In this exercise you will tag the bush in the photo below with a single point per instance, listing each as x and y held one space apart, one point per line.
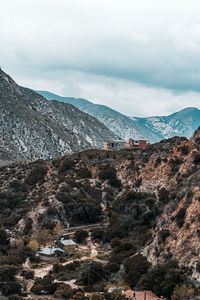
184 150
14 297
8 272
36 175
83 173
180 217
97 274
97 234
10 287
196 159
163 195
135 267
109 173
40 289
81 235
66 165
163 278
113 267
28 274
163 234
28 226
63 291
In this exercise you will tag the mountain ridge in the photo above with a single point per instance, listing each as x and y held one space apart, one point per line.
154 128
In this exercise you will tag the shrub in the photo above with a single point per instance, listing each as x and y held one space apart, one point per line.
51 211
36 175
184 292
97 234
66 164
113 267
163 234
184 150
163 195
97 274
135 267
158 162
40 289
28 274
14 297
3 237
163 278
83 173
28 226
10 287
8 272
180 217
81 235
196 159
109 173
63 291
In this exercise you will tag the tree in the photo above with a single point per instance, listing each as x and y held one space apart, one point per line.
183 292
33 244
81 235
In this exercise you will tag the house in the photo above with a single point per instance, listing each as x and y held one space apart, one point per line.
122 144
51 251
116 145
138 144
67 243
140 295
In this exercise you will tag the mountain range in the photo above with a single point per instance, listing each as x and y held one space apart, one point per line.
32 127
182 123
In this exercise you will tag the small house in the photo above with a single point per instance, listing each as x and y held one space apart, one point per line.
51 251
67 243
122 144
141 295
138 143
115 145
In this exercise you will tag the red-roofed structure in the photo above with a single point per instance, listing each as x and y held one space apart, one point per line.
141 295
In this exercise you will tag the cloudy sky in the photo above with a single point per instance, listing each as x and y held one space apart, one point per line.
140 57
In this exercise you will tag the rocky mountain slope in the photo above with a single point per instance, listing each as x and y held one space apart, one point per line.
32 127
149 199
182 123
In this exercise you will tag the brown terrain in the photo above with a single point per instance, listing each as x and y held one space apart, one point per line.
147 207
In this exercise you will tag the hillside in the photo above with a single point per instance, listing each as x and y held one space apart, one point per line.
182 123
32 127
147 200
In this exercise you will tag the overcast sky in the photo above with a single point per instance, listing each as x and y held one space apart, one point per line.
140 57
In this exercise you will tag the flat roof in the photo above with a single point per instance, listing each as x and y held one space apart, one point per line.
116 141
68 242
49 251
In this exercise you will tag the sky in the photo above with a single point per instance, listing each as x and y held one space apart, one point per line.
140 57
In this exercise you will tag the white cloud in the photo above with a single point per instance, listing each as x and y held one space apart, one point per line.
127 54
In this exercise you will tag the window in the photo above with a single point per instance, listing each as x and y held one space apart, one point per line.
136 143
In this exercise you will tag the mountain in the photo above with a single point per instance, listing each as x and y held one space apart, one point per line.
139 218
182 123
120 124
32 127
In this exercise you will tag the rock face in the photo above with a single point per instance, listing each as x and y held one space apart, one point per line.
182 123
32 127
